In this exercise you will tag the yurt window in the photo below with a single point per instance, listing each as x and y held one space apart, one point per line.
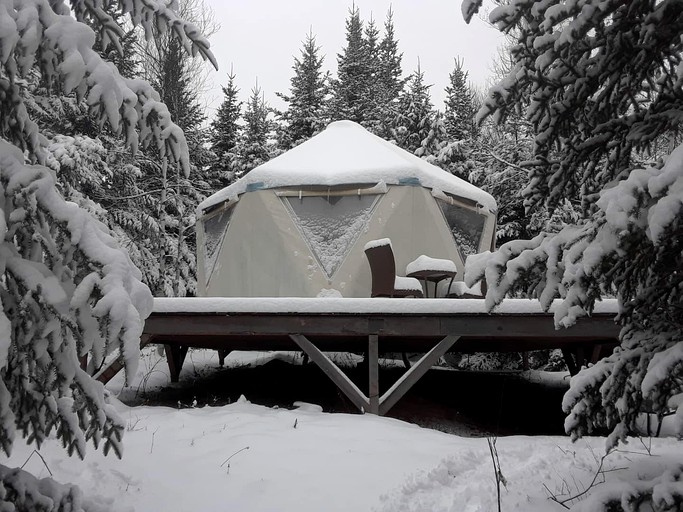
466 226
214 232
330 224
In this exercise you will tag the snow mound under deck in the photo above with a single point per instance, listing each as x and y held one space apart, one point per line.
345 153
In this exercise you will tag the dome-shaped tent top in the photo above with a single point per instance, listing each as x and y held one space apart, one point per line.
346 153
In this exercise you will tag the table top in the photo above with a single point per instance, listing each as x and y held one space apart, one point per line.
433 276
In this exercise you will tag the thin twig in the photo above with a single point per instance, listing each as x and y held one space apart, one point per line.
502 161
552 497
599 472
41 458
238 451
496 467
152 445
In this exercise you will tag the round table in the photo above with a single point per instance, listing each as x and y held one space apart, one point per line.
433 276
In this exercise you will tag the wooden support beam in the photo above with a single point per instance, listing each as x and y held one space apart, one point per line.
108 372
580 354
373 373
570 362
406 361
175 357
333 372
222 354
408 379
598 350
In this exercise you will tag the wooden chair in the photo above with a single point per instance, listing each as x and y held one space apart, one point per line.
385 282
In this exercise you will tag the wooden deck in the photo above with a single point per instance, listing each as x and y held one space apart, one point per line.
372 327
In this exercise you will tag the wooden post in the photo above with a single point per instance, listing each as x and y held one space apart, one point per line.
569 361
332 371
373 373
597 352
222 354
409 378
580 354
175 357
406 361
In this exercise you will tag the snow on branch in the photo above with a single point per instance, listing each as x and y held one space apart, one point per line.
596 78
632 248
68 292
469 8
22 491
662 493
69 63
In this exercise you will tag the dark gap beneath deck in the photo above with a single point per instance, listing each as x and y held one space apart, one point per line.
467 403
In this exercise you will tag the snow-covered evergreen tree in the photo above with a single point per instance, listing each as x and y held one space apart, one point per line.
309 88
256 146
391 73
372 97
68 291
225 134
459 115
369 76
598 80
450 140
353 73
415 115
171 78
389 78
175 195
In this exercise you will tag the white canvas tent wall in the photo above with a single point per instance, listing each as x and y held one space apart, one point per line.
296 225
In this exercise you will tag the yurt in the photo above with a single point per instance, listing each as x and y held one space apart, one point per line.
297 225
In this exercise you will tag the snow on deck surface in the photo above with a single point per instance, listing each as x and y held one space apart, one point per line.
346 153
322 305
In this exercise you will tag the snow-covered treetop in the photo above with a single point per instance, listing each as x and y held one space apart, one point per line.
346 153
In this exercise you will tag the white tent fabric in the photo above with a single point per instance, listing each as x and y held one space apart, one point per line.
296 226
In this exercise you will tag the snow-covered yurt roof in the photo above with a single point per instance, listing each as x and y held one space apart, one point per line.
346 153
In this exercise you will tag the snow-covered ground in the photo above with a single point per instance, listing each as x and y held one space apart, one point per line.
247 457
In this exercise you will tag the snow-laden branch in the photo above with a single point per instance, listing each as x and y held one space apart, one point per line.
632 248
32 28
68 291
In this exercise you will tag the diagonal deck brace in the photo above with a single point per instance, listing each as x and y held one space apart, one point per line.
408 379
333 372
374 404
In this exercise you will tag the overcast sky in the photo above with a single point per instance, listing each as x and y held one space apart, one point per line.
261 37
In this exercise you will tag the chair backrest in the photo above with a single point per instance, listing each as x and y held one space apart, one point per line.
383 270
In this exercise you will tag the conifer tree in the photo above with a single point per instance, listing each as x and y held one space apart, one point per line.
459 115
255 147
353 73
390 58
225 134
68 291
372 96
415 116
597 81
439 149
390 76
177 196
174 83
309 87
